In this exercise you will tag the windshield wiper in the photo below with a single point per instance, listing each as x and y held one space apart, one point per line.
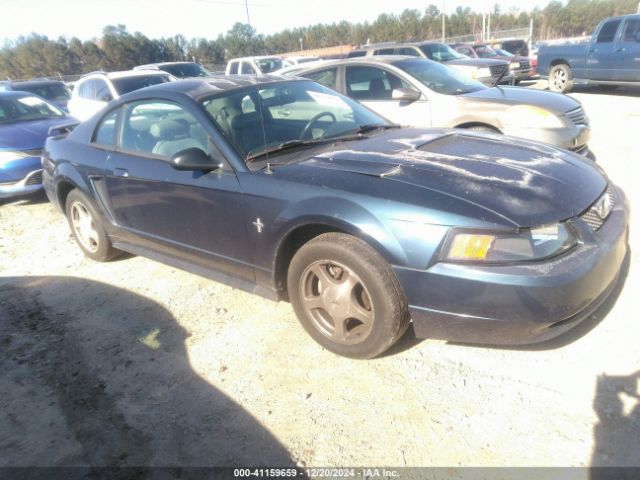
277 148
367 127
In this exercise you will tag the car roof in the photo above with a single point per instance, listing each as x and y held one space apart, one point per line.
124 74
164 64
205 86
259 57
16 93
35 83
377 59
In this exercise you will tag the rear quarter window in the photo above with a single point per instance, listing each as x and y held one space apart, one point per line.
608 31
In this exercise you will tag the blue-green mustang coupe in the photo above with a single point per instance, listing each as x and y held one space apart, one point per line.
288 189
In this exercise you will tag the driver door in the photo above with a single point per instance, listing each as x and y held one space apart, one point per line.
191 215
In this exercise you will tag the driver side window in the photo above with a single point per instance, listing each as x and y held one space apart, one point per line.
161 129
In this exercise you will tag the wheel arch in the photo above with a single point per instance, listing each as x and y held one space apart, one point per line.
472 124
303 230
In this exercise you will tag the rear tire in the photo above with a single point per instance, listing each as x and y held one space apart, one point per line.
561 78
346 296
86 228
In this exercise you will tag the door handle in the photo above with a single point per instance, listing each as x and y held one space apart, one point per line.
120 172
619 50
593 50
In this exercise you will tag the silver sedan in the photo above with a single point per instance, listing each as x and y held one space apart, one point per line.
423 93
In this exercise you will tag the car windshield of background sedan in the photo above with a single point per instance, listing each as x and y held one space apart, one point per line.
441 52
21 109
185 70
129 84
53 92
484 51
268 65
440 78
288 113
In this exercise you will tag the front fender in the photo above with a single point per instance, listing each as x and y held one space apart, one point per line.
339 214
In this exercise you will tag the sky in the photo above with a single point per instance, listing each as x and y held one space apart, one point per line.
85 19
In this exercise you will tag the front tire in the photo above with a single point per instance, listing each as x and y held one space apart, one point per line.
86 228
561 78
346 296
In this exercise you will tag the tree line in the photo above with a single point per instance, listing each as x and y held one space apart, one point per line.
117 49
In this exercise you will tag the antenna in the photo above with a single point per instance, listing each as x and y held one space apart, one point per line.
259 99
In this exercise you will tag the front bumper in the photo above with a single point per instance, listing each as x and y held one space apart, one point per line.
524 303
29 184
573 137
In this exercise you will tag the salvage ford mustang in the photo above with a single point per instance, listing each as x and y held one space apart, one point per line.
290 190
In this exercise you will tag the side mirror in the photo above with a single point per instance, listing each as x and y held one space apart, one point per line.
405 94
105 97
194 159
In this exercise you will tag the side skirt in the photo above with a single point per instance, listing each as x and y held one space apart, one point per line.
199 270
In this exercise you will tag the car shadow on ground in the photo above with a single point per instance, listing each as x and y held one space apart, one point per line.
617 433
620 91
93 375
31 199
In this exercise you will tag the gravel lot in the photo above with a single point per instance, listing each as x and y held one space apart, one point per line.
136 363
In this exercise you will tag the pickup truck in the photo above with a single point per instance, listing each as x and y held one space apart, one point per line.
611 57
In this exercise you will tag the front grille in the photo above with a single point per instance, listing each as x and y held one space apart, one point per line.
578 116
497 70
594 218
34 178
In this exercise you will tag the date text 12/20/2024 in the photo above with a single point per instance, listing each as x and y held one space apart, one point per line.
316 472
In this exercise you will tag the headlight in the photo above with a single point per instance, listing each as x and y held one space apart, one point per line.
481 73
514 66
527 244
531 117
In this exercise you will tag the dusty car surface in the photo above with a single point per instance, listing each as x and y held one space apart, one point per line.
422 93
288 189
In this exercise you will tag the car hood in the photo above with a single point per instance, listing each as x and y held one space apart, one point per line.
554 102
28 135
524 183
475 62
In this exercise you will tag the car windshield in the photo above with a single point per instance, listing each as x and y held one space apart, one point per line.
269 64
485 51
267 117
440 52
55 92
185 70
504 53
24 108
439 78
129 84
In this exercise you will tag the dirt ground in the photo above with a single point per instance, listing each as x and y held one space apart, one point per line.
136 363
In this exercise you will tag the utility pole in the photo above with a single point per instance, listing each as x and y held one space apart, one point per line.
443 20
489 26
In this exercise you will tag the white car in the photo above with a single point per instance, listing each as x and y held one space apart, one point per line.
254 65
93 91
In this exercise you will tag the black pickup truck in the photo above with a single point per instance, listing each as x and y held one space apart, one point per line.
610 57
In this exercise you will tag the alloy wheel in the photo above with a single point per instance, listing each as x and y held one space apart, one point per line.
83 227
337 302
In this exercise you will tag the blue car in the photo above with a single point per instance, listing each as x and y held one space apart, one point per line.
288 189
25 120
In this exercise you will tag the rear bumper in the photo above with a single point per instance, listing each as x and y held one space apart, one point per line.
31 183
519 304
